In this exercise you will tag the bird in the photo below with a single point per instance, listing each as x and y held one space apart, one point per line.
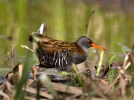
59 54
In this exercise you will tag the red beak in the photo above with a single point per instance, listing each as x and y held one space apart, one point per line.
97 46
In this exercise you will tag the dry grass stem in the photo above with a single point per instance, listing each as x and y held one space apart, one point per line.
125 66
89 22
66 89
4 95
34 91
26 47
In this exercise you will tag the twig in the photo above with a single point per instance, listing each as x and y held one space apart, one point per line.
12 55
4 95
124 75
128 64
112 84
44 94
26 47
7 64
125 66
67 89
89 22
125 60
131 57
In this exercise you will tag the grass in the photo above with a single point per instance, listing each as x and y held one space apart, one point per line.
77 78
83 85
100 64
44 78
23 79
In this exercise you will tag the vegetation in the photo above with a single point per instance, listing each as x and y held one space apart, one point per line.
66 20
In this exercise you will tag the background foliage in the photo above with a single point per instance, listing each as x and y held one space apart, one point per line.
67 21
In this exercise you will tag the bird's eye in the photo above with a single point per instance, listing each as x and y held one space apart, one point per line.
89 41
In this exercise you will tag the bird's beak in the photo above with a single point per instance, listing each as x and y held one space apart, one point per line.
97 46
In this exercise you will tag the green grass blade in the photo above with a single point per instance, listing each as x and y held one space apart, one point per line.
77 76
22 81
111 60
48 84
100 64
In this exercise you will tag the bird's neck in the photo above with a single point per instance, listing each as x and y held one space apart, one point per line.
85 49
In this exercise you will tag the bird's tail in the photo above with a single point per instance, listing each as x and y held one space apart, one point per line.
42 29
36 36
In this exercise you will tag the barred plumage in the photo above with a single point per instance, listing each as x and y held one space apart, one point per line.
60 60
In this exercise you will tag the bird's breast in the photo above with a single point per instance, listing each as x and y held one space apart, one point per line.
77 58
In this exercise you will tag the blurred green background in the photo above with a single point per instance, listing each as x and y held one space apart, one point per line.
66 20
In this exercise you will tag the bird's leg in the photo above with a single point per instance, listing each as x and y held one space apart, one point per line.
34 70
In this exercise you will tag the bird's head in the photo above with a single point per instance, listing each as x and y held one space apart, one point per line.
85 43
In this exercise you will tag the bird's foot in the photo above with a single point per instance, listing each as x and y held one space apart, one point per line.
34 71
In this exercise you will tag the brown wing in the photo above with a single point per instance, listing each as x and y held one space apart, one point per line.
52 46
